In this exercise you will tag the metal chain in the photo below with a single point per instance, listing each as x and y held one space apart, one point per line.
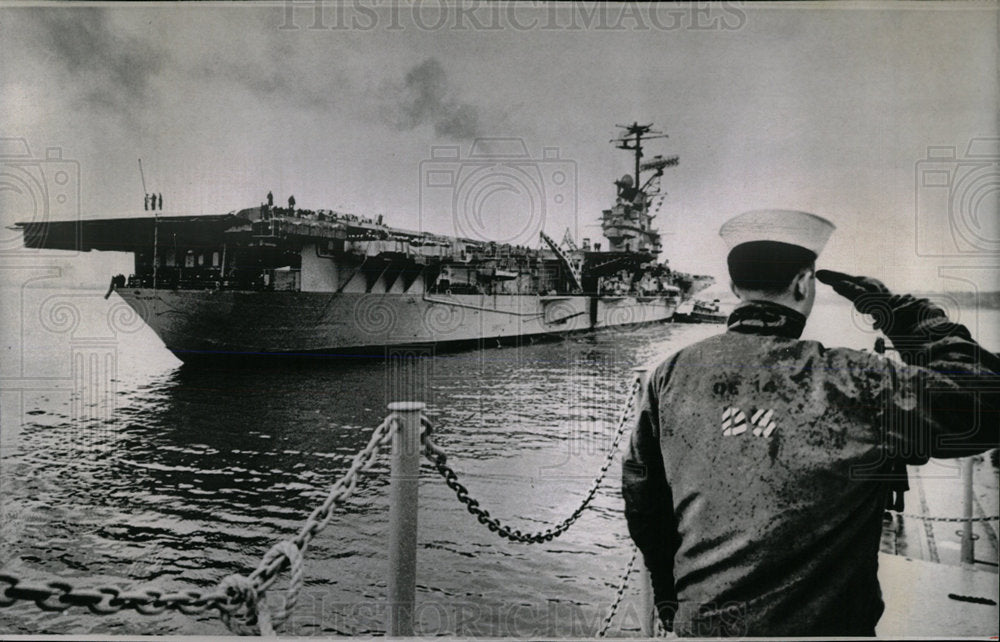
289 552
438 457
973 599
236 597
929 518
104 600
619 594
269 567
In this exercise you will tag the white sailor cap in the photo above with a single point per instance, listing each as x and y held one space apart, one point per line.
783 226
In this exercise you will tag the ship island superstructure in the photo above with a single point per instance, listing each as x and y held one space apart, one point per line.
282 280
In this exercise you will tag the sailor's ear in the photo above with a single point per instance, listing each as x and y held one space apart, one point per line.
735 291
803 283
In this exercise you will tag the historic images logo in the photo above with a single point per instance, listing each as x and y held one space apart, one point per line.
473 15
965 188
498 192
37 191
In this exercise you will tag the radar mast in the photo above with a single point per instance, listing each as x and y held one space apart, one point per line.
628 225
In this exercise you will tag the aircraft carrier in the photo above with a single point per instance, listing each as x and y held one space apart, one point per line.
270 280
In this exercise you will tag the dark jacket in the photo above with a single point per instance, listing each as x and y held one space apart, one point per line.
759 466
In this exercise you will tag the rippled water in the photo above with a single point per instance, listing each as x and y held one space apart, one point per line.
142 471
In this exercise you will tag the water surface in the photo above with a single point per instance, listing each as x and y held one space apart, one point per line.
122 466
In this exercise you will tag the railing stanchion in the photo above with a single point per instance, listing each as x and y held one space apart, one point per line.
647 604
404 481
968 543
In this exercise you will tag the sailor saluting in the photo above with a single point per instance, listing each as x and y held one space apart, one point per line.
759 466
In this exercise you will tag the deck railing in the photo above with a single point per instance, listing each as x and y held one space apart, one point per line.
239 599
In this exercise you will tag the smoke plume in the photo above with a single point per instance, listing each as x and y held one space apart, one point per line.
113 68
425 97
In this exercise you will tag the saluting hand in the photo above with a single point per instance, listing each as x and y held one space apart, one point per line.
852 288
869 296
894 314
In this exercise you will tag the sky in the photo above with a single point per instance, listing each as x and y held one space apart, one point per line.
860 112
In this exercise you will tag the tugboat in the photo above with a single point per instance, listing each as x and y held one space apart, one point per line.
271 280
707 312
700 311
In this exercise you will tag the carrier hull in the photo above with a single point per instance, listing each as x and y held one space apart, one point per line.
202 323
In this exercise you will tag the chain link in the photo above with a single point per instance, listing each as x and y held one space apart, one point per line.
236 597
438 457
619 594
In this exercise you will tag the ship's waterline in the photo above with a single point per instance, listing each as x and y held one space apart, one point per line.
199 322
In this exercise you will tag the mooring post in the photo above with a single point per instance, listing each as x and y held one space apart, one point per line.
647 603
405 476
968 540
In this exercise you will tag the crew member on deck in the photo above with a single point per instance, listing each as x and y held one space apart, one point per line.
759 465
